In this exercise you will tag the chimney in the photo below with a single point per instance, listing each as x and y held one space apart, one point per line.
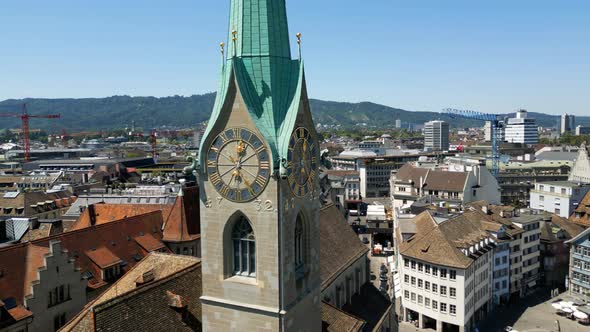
92 214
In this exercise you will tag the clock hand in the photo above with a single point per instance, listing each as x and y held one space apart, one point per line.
249 185
231 169
245 170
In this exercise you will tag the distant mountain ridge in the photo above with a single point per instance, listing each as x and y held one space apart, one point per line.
178 111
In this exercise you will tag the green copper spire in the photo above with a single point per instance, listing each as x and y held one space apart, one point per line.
259 61
260 28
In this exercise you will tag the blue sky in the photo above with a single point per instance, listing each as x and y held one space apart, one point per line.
493 56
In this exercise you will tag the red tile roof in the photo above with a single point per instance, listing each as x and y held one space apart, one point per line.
105 213
183 221
102 257
19 263
149 243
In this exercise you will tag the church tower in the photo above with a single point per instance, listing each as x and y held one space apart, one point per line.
259 183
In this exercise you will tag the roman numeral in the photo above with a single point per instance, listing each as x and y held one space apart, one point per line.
211 163
260 180
238 195
223 137
224 191
236 132
264 165
301 132
260 149
215 178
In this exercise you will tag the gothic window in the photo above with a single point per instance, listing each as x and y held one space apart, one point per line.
299 244
244 248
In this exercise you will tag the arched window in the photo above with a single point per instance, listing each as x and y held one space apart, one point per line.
244 248
299 244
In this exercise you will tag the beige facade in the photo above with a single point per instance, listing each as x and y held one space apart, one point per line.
275 298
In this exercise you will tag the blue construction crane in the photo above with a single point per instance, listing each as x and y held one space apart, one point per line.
495 127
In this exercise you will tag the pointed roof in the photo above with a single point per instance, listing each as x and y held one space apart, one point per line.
269 81
183 222
261 29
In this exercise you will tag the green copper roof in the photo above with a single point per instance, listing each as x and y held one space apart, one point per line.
259 61
261 29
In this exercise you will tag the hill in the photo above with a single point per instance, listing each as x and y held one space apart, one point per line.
177 111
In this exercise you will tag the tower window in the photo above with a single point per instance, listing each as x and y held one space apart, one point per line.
299 247
244 249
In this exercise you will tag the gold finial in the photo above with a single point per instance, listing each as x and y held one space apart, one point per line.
234 33
299 43
222 46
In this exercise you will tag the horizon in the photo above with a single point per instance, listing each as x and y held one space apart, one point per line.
493 58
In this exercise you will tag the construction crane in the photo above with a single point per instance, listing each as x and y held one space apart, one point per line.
24 116
154 141
495 128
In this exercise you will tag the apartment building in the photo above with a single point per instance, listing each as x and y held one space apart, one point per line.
579 271
445 267
521 230
559 197
458 187
436 136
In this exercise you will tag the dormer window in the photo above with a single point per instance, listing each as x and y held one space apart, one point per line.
111 273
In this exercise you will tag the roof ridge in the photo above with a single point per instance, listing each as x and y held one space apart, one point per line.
95 227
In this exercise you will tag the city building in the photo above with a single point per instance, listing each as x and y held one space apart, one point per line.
451 185
522 129
436 136
446 269
581 215
521 229
166 284
140 195
581 169
555 253
345 280
342 187
501 135
559 197
579 265
35 204
398 124
582 130
375 169
568 123
54 277
518 178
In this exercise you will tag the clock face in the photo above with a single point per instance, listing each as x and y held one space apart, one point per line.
302 162
238 165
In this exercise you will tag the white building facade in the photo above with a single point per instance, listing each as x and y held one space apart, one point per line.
522 129
560 197
436 136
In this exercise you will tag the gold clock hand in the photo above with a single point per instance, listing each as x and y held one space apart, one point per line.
249 185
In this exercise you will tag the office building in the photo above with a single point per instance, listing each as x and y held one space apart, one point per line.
522 129
582 130
579 271
398 124
436 136
568 123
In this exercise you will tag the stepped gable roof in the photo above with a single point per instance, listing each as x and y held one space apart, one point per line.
441 243
260 67
92 249
336 320
339 244
183 221
19 265
167 270
105 213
